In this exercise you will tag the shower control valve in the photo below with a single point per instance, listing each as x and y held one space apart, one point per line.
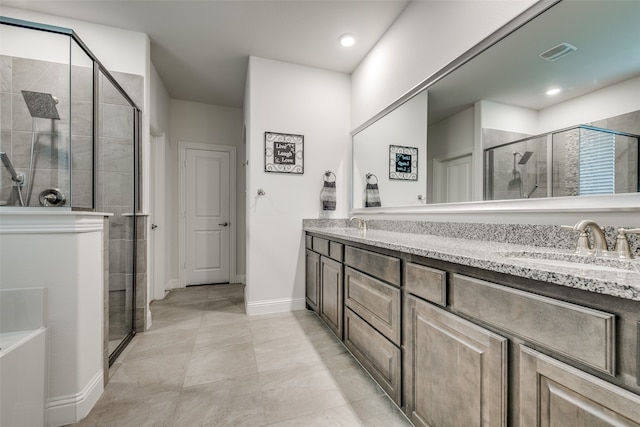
52 197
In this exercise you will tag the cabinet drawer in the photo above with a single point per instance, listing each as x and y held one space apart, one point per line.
336 251
375 301
308 242
580 333
321 245
377 354
377 265
425 282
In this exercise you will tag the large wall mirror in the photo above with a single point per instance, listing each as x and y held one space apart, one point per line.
488 130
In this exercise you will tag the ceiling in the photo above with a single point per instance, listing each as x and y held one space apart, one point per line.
511 72
201 48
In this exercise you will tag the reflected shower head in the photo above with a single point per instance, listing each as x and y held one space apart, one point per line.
41 105
9 166
525 157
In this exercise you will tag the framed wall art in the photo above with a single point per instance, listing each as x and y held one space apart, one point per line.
403 163
283 153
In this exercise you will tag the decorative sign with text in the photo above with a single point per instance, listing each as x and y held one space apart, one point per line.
403 163
283 153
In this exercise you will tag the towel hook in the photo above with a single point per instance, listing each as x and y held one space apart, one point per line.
369 176
327 176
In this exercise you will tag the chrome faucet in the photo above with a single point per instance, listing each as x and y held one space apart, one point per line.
362 223
623 248
583 245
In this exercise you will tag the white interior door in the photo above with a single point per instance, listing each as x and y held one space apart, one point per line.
452 179
207 216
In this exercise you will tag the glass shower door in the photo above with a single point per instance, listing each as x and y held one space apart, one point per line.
116 195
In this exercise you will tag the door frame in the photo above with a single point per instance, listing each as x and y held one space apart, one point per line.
157 238
183 146
438 169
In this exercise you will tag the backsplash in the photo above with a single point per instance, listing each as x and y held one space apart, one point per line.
551 236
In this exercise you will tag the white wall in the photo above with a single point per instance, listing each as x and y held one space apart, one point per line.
288 98
425 38
448 138
405 127
611 101
160 104
207 124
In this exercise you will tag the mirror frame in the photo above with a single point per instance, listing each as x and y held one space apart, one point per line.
620 203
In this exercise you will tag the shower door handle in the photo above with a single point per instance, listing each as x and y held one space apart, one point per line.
224 224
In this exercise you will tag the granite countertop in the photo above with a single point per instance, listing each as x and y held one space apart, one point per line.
613 277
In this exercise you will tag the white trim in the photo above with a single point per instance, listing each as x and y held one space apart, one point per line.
73 408
281 305
603 203
241 278
182 203
27 223
157 238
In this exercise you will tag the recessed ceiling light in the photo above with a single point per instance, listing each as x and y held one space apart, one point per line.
553 91
347 40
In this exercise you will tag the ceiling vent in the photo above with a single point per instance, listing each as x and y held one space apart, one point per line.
558 52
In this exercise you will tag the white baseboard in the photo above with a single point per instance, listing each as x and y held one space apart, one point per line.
172 284
65 410
241 278
275 306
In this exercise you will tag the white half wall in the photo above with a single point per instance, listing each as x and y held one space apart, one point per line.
206 124
288 98
425 38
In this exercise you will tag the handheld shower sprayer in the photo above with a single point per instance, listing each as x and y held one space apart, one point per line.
17 178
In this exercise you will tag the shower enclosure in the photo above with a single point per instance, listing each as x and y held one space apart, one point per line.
583 160
69 137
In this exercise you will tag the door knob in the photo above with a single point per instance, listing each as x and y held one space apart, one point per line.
224 224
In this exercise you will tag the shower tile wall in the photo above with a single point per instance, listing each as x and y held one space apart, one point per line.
566 163
52 136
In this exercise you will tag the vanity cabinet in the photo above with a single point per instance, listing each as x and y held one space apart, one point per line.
456 345
455 371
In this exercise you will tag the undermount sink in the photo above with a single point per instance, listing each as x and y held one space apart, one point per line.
583 262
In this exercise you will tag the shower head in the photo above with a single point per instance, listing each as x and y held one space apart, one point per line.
7 164
41 105
525 157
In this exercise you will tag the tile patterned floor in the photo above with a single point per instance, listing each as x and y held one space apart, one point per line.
204 362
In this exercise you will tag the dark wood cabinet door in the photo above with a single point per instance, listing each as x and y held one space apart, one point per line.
312 281
455 372
331 294
555 394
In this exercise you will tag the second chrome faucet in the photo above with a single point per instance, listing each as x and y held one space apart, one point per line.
622 248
